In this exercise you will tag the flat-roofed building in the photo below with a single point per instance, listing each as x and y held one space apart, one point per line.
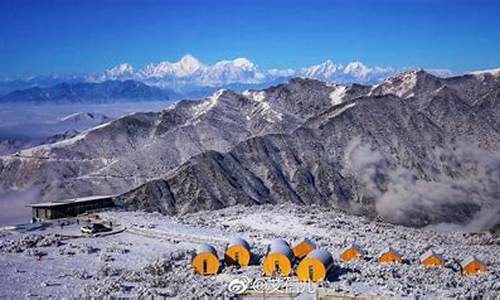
69 207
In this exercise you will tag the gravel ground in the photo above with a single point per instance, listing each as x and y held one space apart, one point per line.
152 257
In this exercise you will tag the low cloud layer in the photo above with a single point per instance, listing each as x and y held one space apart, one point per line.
13 208
469 195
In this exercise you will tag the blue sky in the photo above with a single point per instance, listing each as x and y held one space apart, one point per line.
40 37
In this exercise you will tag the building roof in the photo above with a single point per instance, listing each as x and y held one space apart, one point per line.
71 201
428 254
470 259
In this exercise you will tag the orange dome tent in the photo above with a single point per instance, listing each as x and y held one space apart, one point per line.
278 260
389 255
205 260
431 259
351 252
315 266
238 252
472 265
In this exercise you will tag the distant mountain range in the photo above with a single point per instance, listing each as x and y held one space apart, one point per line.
186 78
84 92
415 149
189 72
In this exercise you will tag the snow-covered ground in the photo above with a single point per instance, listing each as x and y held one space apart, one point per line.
152 256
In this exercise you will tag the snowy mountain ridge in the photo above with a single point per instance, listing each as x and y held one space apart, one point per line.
358 147
191 78
190 71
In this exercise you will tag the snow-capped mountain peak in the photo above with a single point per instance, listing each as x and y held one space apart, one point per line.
239 70
238 63
186 66
243 63
189 64
357 69
408 84
189 73
120 70
324 70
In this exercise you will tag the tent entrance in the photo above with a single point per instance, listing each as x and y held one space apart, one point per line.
311 272
205 266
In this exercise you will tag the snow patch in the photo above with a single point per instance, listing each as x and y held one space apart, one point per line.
491 71
263 108
83 116
269 114
207 104
338 95
254 95
343 109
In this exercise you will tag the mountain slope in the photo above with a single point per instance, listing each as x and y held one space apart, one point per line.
394 150
400 158
131 150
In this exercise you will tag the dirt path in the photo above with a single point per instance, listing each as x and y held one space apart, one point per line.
172 237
